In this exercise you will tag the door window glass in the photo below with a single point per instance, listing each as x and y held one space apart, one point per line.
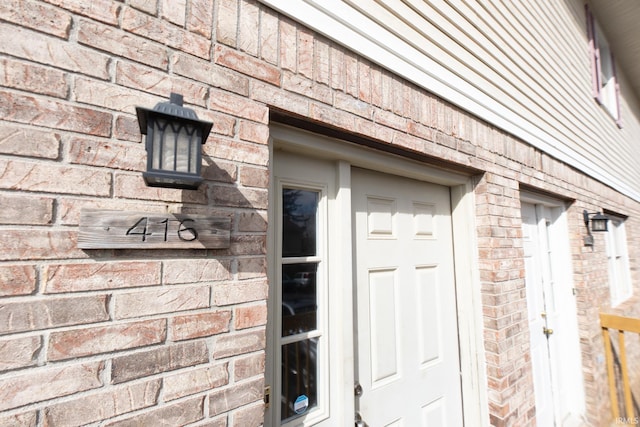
299 367
299 219
299 304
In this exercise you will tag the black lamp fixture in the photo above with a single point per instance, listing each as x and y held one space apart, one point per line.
173 143
599 222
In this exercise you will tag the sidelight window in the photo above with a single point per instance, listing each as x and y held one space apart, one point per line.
301 340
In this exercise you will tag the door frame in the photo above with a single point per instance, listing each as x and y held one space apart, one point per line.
468 297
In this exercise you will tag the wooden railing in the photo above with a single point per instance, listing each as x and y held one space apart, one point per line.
621 324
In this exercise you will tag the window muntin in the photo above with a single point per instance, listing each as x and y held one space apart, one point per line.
618 257
302 342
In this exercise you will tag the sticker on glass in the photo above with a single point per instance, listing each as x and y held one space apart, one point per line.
301 404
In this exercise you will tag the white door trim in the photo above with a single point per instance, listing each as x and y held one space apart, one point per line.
313 145
470 326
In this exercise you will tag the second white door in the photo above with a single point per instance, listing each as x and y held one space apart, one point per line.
551 308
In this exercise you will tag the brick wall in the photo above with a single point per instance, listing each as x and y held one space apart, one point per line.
167 337
131 337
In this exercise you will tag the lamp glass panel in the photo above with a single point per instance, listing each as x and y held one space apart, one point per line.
598 224
169 148
194 152
183 149
157 132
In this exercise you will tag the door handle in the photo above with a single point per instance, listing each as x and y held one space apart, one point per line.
359 421
547 331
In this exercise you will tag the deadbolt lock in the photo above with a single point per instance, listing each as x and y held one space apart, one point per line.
357 390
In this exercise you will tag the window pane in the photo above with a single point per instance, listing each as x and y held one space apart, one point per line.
299 387
299 216
608 90
298 298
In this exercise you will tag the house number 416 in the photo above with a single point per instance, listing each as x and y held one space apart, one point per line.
146 227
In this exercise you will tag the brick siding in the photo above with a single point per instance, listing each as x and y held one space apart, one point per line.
174 337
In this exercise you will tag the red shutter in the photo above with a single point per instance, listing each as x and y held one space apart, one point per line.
594 52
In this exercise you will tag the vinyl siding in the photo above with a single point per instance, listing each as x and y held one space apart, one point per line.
522 66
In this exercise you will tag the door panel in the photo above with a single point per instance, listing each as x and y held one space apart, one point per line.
406 321
384 326
429 312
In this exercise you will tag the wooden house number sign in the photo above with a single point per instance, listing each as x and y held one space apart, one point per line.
108 229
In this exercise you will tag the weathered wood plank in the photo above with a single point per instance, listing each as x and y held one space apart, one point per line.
611 321
621 324
109 229
613 395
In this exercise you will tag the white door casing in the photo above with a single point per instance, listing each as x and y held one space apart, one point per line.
305 151
407 359
556 359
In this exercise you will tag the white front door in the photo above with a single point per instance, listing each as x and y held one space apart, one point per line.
555 352
406 323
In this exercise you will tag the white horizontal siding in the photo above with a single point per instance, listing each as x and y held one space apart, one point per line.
522 66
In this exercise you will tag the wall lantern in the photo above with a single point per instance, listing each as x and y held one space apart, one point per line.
173 143
599 223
